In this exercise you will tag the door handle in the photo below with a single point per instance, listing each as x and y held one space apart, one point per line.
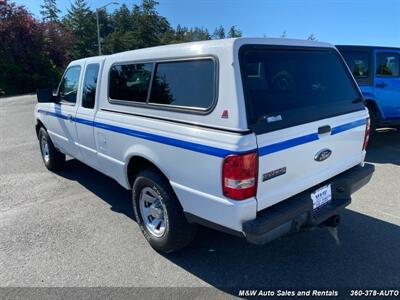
381 85
324 129
69 117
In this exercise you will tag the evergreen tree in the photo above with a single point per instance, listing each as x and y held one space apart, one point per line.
142 27
199 34
50 11
234 32
312 37
150 26
56 38
181 34
33 53
81 22
105 23
219 33
121 19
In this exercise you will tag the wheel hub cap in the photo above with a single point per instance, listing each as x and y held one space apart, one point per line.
156 212
152 211
45 149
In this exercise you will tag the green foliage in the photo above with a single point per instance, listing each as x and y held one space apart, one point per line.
140 27
234 32
219 33
81 22
104 23
122 20
25 62
34 53
184 34
50 11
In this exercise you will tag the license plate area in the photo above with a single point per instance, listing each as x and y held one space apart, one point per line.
321 196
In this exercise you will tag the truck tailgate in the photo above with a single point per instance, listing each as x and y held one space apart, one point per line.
294 159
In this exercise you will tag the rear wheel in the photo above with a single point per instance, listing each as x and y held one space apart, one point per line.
159 213
52 158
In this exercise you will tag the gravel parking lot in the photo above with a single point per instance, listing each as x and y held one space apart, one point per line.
76 228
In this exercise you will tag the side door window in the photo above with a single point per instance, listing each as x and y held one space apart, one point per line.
89 86
358 62
68 89
387 64
85 111
386 83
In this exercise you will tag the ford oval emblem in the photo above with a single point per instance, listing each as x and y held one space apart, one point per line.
322 155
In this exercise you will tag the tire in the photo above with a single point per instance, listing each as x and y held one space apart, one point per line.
159 214
52 158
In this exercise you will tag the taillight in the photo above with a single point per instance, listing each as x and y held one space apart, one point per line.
239 176
366 136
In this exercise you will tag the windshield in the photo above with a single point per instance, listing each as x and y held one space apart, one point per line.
288 87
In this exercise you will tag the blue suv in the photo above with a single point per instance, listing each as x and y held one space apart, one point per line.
377 71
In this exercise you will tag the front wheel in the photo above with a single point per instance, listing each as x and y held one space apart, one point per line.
52 158
159 213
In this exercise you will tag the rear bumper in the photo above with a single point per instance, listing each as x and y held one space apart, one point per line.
296 212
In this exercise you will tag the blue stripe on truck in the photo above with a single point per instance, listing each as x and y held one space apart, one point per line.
167 140
265 150
348 126
219 152
149 136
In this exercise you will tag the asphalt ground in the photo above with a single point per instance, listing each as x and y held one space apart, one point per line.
76 228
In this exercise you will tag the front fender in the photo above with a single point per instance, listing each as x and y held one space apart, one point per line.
40 118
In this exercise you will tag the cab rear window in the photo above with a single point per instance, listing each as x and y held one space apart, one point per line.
287 87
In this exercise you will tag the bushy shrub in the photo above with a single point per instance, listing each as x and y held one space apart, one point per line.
27 52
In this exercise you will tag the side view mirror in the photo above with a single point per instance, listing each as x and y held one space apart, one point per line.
45 96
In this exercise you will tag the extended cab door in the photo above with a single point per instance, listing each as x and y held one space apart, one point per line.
387 82
305 109
61 126
86 112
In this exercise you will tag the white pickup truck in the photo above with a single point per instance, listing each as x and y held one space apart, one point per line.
255 137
